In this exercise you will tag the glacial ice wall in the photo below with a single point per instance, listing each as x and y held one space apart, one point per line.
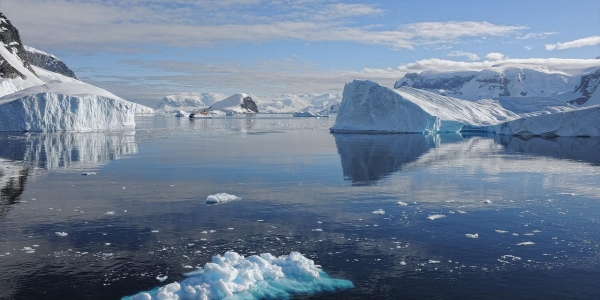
60 112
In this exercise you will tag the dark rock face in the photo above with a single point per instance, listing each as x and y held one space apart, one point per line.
249 104
451 83
9 35
589 84
49 62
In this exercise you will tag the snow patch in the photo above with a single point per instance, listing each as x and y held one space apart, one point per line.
436 216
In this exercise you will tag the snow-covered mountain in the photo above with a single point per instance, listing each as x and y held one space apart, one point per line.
370 107
285 103
35 99
499 81
188 101
586 93
239 103
48 62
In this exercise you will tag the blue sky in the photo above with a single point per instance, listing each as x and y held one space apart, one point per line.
143 50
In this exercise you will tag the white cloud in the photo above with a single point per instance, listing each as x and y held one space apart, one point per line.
495 56
588 41
528 47
469 55
131 25
536 35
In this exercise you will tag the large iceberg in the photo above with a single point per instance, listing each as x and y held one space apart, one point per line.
370 107
35 99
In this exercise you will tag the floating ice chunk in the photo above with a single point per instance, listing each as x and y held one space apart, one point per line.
431 261
88 173
161 278
318 229
110 213
512 257
235 276
515 234
221 198
461 212
379 212
402 203
501 231
61 233
403 263
436 216
487 201
472 235
525 243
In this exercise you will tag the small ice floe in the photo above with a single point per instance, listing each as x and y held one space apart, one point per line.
487 201
401 203
155 231
514 234
461 212
161 278
525 244
61 233
110 213
319 222
436 216
260 220
106 244
537 231
88 173
379 212
28 250
234 276
221 198
472 235
230 228
511 257
568 194
431 261
318 229
403 263
500 231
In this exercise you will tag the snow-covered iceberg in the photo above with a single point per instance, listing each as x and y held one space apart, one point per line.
233 276
35 99
370 107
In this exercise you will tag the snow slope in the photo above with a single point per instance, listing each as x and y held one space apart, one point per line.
370 107
235 102
188 101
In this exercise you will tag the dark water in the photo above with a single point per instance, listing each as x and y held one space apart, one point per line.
143 213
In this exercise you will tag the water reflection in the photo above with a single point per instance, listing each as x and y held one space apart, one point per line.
584 149
24 154
368 158
54 151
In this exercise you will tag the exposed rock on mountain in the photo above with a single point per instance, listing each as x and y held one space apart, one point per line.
48 62
9 36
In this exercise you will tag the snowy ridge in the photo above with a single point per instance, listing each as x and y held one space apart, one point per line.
285 103
370 107
239 103
494 82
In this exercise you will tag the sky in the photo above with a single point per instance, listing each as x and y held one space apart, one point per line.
143 50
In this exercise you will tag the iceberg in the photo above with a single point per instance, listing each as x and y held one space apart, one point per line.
255 277
369 107
36 99
221 198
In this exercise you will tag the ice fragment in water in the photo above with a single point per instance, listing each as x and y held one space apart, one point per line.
161 278
437 216
61 233
221 198
88 173
402 203
379 212
525 243
500 231
471 235
487 201
255 277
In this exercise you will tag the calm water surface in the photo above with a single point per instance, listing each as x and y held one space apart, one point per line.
143 212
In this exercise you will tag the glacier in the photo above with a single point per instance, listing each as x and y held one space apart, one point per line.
369 107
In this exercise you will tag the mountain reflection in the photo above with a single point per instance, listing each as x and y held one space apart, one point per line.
367 158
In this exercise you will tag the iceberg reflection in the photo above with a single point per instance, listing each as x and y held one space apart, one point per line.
54 151
367 158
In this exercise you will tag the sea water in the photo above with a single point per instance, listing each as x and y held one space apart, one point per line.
110 215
